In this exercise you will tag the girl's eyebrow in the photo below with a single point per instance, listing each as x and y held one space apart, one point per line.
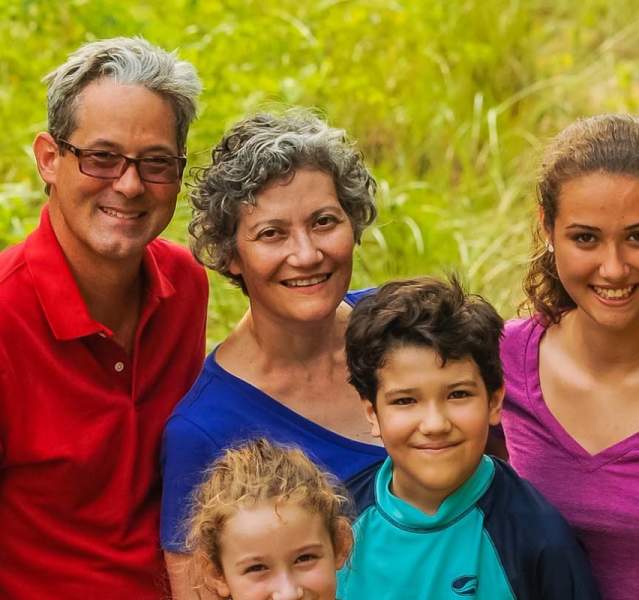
252 558
591 228
580 226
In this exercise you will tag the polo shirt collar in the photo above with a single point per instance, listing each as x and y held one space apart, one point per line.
406 516
58 292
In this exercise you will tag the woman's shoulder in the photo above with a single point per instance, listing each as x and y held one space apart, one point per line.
518 332
352 297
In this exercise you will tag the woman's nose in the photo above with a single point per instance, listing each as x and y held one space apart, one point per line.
304 251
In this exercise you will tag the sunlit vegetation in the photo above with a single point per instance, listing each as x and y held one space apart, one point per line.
450 101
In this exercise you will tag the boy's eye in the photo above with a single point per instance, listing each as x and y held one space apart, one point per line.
403 401
456 394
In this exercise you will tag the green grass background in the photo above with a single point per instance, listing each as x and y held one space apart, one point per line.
451 102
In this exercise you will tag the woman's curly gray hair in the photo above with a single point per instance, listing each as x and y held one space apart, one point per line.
261 149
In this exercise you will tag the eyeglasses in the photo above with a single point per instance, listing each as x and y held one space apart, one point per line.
103 164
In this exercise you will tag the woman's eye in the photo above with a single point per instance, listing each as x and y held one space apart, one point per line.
633 236
326 220
268 234
584 238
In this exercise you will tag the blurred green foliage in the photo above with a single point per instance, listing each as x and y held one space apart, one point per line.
450 102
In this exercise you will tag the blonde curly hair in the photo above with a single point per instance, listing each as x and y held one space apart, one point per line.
255 472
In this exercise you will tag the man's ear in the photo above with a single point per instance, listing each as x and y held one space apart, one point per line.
495 403
47 155
343 542
371 417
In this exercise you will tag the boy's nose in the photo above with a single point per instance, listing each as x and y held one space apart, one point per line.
433 421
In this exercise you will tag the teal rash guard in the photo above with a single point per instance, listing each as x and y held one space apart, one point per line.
495 538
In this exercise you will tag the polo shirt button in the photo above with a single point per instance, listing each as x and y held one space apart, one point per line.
119 366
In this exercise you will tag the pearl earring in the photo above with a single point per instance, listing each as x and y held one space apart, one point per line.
549 247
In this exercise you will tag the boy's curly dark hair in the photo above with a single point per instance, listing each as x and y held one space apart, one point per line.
422 312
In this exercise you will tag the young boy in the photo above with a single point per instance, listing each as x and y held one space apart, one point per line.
441 520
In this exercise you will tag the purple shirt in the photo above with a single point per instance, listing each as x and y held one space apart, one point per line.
598 495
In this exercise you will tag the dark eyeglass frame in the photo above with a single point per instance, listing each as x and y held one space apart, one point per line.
83 153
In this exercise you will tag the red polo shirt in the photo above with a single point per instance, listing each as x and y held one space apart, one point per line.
80 423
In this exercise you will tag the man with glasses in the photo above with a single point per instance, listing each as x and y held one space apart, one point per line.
102 329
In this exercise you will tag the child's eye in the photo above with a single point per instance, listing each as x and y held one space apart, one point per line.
403 401
456 394
302 558
256 568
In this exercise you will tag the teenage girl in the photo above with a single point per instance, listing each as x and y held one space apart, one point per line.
571 412
268 525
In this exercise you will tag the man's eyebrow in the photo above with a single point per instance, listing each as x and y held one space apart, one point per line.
115 147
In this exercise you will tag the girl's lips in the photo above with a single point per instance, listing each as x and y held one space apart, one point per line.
612 295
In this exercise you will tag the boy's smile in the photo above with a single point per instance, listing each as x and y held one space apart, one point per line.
433 420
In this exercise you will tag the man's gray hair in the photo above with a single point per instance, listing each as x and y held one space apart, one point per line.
129 61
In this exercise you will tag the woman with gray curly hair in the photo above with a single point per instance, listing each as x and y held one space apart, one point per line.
278 211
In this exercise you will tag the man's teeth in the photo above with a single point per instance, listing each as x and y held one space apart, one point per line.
306 282
614 293
114 213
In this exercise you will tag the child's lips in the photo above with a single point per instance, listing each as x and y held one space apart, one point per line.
436 446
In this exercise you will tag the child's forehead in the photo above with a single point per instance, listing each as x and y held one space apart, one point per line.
415 361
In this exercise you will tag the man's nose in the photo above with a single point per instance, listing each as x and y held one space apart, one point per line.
129 183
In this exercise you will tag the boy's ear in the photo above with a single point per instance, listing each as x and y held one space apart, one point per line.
371 417
46 154
343 542
495 403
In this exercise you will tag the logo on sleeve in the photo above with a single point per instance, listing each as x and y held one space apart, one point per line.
466 585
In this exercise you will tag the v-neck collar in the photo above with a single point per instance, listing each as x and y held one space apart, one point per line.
589 462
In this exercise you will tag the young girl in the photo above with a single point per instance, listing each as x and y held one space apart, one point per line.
571 412
268 525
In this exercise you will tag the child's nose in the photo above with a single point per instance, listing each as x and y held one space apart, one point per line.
433 421
287 589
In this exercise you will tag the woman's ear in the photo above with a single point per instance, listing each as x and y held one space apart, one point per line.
544 229
343 542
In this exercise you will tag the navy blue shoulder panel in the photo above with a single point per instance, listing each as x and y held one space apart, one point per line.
361 488
538 551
